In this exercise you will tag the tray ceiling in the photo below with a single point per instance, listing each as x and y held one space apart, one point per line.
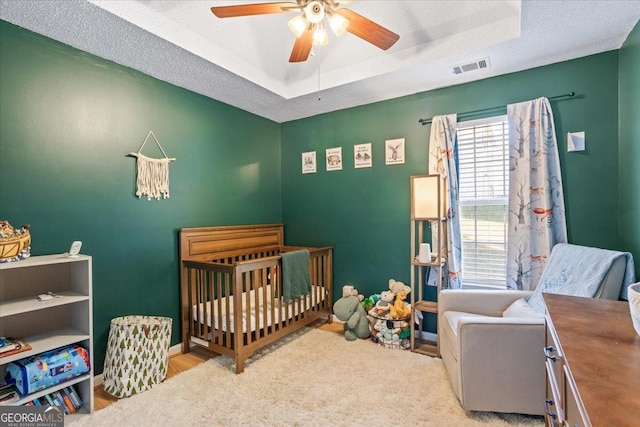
243 61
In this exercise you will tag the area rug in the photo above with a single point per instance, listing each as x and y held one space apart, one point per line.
310 378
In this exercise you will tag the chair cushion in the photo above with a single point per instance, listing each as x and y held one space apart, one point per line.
450 329
520 308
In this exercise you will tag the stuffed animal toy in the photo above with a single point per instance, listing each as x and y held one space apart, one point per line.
370 301
382 306
396 287
399 308
351 312
355 293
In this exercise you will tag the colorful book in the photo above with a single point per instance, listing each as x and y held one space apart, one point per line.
67 395
50 400
9 395
58 399
68 404
12 346
75 396
6 344
4 384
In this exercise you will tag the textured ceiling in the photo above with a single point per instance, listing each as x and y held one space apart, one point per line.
244 61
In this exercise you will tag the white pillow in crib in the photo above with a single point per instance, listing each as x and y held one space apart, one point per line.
520 308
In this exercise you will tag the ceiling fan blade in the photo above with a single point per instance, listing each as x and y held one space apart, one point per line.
252 9
368 30
302 47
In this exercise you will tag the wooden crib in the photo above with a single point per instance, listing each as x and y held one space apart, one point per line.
231 289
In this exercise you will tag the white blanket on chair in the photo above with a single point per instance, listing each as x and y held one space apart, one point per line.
578 271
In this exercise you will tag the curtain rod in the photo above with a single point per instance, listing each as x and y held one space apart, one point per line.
428 121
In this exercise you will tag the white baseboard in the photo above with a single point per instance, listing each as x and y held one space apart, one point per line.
173 350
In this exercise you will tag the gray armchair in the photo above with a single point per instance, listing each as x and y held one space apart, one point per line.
494 358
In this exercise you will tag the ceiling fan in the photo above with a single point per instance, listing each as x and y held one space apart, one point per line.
308 26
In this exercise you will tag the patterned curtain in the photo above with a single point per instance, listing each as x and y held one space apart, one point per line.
442 146
536 201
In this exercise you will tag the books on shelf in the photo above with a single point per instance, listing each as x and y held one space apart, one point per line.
67 398
8 394
9 346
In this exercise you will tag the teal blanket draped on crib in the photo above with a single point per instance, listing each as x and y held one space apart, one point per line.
295 274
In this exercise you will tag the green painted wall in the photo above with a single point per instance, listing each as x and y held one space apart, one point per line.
630 145
67 121
364 213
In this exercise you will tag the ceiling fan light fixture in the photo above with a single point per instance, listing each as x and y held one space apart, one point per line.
320 36
314 12
309 26
298 25
338 23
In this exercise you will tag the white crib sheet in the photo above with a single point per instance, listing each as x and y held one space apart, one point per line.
254 320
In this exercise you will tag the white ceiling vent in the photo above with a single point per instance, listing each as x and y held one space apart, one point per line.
470 66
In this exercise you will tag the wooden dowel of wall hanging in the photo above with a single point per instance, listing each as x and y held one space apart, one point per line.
171 159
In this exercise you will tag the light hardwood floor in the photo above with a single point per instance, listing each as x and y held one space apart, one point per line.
182 362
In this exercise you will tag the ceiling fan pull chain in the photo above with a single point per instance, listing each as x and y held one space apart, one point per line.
319 98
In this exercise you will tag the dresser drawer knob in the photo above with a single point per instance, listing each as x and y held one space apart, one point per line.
547 352
548 403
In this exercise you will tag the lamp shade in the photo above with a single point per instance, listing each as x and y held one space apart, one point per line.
427 197
320 36
338 23
298 25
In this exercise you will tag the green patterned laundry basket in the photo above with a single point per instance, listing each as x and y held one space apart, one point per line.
137 354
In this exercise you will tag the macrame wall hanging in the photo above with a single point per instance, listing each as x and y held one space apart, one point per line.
153 174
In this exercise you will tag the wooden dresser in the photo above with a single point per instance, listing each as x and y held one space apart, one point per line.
593 363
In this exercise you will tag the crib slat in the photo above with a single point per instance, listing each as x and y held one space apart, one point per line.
285 320
238 343
196 294
247 310
206 307
214 302
274 291
254 289
317 297
202 286
191 290
266 301
227 302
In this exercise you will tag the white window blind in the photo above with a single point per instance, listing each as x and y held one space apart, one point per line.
483 155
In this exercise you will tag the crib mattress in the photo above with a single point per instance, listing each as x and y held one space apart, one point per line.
278 312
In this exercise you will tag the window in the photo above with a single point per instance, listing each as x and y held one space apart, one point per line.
483 168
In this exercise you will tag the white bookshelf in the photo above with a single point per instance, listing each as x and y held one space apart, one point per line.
46 325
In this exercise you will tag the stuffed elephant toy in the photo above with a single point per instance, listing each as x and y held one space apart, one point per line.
352 313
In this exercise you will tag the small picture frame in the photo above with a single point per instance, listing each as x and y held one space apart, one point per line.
394 151
309 162
334 159
362 157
